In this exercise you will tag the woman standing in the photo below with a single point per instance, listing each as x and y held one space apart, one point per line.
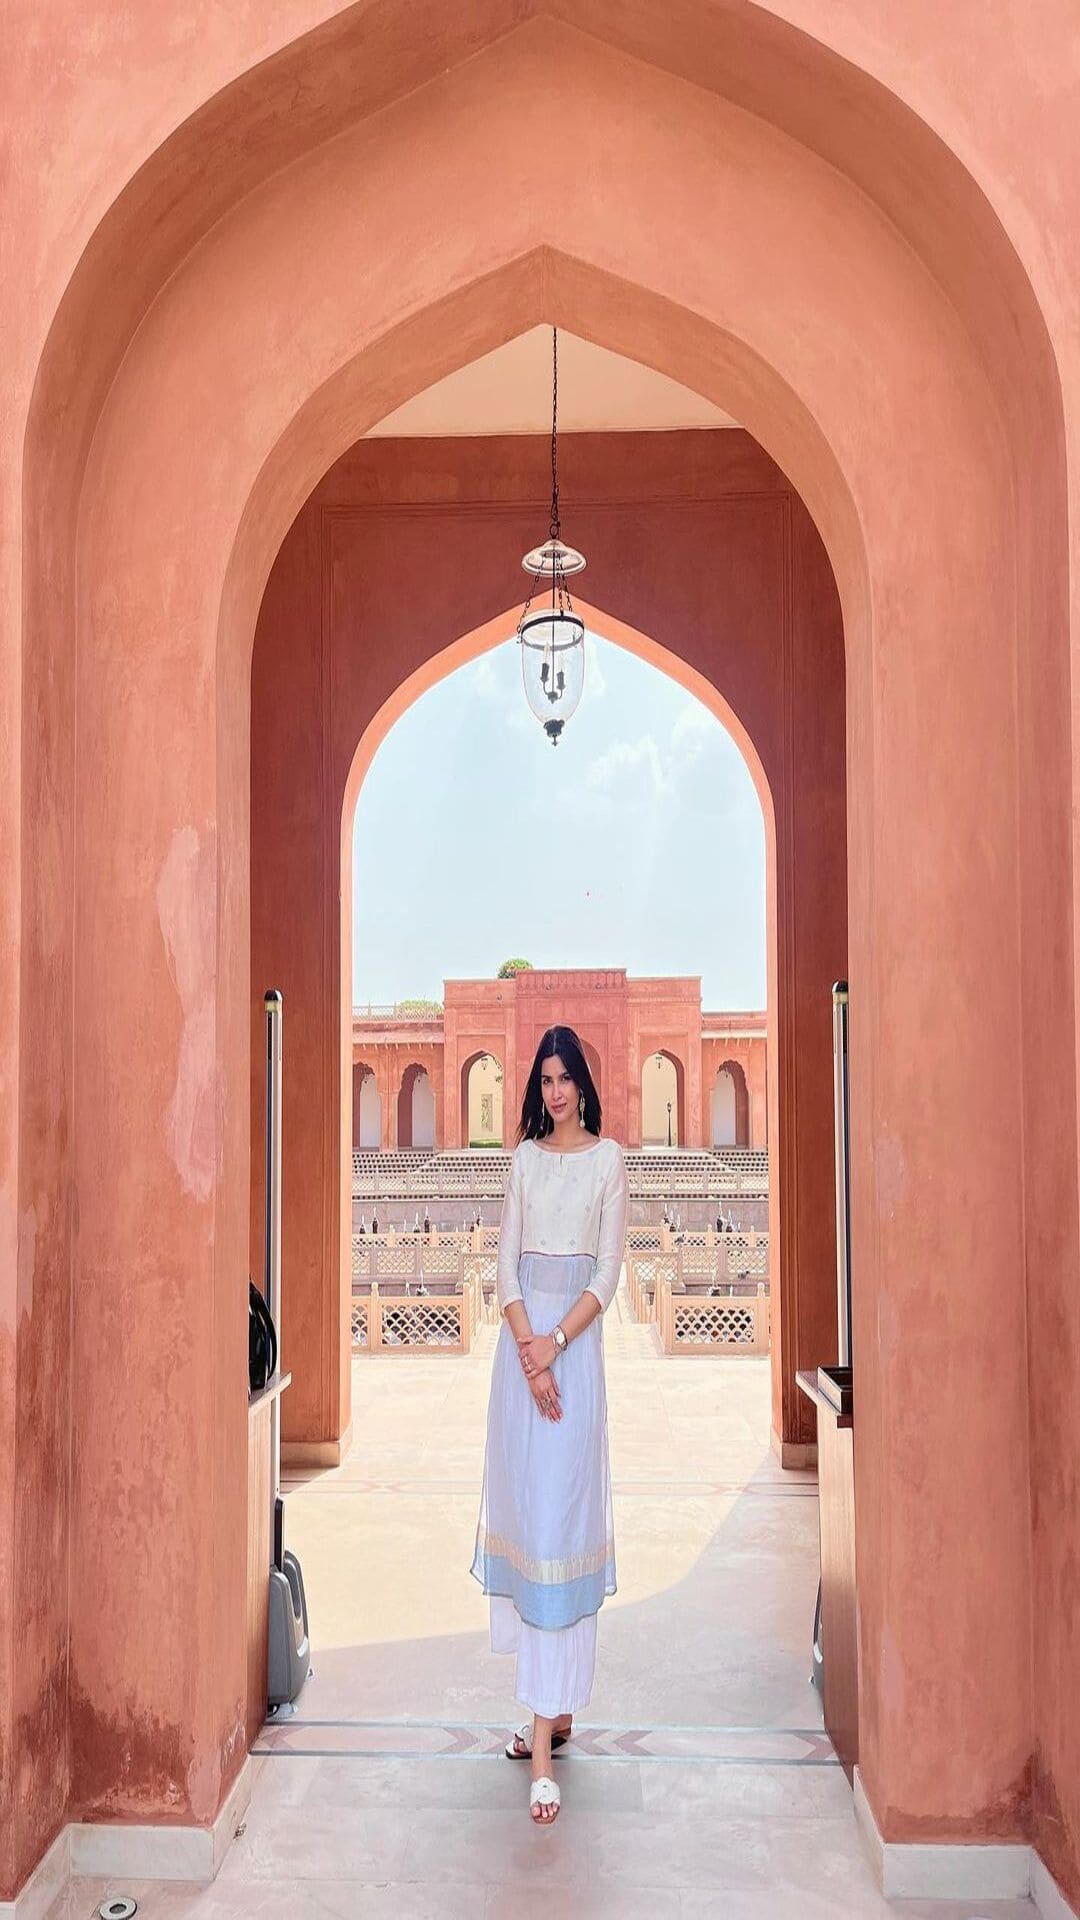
545 1545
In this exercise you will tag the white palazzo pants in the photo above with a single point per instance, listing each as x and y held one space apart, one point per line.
545 1548
555 1665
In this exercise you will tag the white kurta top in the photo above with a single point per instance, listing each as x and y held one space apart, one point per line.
564 1203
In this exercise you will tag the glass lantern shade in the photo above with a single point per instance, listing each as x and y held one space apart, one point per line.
553 665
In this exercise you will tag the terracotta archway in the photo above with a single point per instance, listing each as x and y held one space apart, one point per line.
905 283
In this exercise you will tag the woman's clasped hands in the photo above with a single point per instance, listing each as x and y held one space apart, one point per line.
536 1352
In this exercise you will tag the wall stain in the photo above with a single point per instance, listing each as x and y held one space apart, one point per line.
1006 1817
128 1765
1052 1835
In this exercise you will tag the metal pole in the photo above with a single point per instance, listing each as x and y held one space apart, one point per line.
273 1005
843 1168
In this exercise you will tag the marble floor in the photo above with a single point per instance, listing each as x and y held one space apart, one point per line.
699 1786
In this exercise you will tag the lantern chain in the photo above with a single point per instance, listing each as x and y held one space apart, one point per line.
560 592
554 527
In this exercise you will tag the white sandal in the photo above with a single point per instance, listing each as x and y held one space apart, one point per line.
545 1793
524 1734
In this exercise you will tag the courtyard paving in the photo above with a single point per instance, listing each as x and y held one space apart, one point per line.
700 1785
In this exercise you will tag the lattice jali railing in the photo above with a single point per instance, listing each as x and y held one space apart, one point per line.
747 1256
485 1266
422 1323
458 1237
716 1326
645 1268
449 1173
405 1256
442 1262
640 1299
638 1239
359 1319
698 1325
426 1323
691 1263
395 1263
697 1258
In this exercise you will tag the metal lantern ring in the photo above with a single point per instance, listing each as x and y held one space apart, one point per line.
552 635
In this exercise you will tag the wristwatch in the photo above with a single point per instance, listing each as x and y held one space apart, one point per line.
559 1338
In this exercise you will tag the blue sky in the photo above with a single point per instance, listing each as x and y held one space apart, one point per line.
637 842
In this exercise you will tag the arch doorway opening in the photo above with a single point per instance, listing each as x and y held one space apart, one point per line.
416 1108
367 1109
730 1107
663 1088
482 1101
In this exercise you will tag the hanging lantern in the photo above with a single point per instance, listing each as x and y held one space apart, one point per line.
551 635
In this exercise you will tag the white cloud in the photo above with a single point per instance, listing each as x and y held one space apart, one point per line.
634 772
596 684
697 770
693 729
486 683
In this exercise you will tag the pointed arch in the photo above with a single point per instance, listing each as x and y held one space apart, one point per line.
484 1059
366 1107
730 1106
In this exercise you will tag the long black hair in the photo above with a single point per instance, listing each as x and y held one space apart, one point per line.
536 1121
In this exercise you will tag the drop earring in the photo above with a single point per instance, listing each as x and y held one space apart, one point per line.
581 1109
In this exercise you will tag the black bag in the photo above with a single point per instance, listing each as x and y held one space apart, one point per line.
262 1340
